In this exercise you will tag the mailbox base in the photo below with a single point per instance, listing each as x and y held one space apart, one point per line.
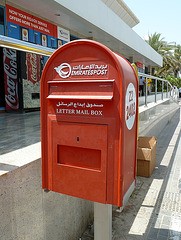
102 221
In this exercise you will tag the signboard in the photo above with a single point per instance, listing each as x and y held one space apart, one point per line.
33 67
10 79
63 34
24 26
31 85
27 20
139 65
79 108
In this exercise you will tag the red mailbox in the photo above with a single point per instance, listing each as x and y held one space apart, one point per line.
89 123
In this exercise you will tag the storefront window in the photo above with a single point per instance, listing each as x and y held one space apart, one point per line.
2 31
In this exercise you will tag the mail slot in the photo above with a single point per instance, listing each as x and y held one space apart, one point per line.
89 105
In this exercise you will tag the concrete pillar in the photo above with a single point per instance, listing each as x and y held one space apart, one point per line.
102 221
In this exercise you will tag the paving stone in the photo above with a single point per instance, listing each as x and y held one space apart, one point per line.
153 233
164 232
163 237
156 202
166 220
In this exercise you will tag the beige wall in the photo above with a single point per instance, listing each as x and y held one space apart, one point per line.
27 212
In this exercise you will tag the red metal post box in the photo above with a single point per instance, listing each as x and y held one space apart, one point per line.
89 123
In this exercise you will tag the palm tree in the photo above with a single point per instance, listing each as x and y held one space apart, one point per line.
155 42
158 43
166 50
166 70
171 63
176 61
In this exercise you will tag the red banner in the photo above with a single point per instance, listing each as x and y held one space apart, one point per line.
10 78
33 67
24 19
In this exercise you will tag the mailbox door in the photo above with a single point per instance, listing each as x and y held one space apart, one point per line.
79 157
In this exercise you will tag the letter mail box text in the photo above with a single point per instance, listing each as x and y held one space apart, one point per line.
89 102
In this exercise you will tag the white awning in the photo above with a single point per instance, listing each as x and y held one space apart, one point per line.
24 46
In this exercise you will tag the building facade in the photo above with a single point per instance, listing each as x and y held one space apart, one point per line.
31 30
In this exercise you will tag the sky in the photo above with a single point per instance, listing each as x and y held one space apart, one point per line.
161 16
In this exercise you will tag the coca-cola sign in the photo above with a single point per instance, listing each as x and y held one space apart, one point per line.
10 78
33 67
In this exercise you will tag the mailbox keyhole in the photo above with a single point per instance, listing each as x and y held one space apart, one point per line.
78 139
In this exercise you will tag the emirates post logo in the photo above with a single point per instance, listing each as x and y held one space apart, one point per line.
64 70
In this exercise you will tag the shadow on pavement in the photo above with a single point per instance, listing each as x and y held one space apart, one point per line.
154 209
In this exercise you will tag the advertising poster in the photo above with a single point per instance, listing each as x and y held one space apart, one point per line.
10 79
24 34
27 27
29 21
31 85
44 40
59 43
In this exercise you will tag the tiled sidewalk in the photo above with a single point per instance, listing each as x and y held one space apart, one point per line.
18 130
153 212
19 140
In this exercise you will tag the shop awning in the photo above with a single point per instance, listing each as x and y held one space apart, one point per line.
24 46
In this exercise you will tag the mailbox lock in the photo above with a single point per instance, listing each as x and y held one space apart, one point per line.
78 139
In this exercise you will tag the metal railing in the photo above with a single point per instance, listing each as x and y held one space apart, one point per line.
153 96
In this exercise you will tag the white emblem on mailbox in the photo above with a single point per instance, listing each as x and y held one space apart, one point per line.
130 106
64 70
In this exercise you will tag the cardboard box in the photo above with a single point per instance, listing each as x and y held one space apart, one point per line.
146 156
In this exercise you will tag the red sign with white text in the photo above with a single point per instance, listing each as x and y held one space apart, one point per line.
10 78
33 67
140 65
27 20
